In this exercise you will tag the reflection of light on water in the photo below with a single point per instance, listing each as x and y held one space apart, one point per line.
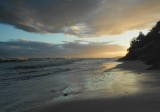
105 83
111 65
113 84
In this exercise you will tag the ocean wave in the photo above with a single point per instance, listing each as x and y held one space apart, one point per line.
49 63
30 75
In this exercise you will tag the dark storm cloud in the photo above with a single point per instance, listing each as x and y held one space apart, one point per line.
23 48
79 17
45 16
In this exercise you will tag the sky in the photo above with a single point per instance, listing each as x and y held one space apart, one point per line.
73 28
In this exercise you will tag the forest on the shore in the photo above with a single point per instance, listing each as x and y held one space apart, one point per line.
146 48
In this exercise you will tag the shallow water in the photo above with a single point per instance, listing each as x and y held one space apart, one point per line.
26 84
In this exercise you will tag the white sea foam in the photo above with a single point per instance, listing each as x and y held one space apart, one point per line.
25 84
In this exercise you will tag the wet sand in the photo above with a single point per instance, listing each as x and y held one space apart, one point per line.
140 94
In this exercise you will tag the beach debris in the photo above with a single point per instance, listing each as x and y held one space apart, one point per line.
65 94
107 70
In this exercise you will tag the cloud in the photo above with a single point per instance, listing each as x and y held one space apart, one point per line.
83 18
45 16
24 48
119 16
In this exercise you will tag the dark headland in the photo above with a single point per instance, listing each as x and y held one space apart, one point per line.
146 48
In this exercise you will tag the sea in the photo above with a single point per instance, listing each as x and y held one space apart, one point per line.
27 83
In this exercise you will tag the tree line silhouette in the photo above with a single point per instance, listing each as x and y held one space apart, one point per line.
146 48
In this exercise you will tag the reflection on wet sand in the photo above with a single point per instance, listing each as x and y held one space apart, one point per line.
114 83
121 89
109 81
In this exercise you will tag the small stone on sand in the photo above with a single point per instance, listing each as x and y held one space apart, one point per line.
65 94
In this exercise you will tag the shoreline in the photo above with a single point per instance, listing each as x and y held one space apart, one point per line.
140 94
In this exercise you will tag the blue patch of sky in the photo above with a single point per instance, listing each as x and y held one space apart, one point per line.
8 33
